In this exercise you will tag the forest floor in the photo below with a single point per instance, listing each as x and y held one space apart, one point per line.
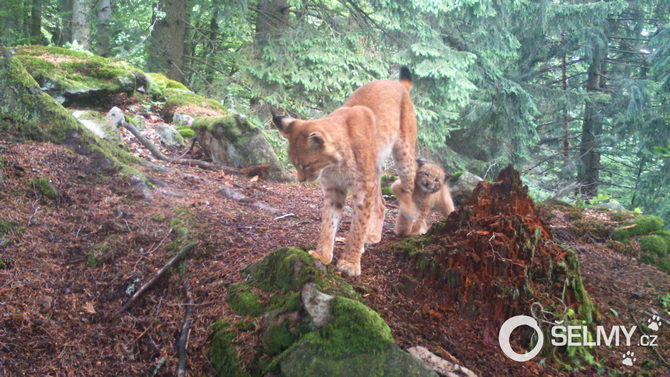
69 263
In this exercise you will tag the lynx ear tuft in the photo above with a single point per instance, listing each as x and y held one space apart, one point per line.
315 140
283 123
420 162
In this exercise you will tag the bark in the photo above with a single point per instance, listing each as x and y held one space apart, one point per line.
167 43
36 35
271 21
81 23
104 10
592 128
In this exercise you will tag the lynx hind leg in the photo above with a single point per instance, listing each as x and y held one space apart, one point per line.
406 165
331 214
376 226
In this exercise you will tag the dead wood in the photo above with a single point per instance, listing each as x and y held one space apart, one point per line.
180 255
182 161
182 345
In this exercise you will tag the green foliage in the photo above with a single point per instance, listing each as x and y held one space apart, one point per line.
643 224
45 188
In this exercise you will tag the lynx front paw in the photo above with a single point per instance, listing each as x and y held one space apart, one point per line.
349 268
323 259
373 238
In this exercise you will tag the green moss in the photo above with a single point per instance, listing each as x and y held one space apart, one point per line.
6 227
354 328
177 98
6 263
654 244
158 83
75 71
223 353
186 132
44 187
643 224
665 234
586 309
288 269
279 338
158 218
245 325
243 301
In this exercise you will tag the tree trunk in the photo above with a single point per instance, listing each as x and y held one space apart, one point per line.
271 21
36 36
166 48
81 23
104 10
592 127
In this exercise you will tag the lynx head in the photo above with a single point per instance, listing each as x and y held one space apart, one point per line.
310 149
429 177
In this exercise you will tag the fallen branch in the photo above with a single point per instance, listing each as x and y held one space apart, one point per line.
231 193
181 254
182 345
182 161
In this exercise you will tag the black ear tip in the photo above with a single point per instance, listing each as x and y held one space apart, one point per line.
277 120
420 161
405 74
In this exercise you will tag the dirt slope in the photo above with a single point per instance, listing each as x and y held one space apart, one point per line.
71 261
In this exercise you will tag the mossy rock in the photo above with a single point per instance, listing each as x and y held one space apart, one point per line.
289 269
75 75
45 188
28 113
157 83
592 227
654 244
186 132
643 224
186 102
223 353
233 141
243 301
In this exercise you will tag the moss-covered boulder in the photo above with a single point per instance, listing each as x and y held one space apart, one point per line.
461 185
233 141
70 75
290 292
26 112
183 101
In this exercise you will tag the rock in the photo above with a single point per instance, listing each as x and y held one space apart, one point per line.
77 76
317 304
461 186
97 123
231 140
169 135
115 116
139 122
182 120
438 364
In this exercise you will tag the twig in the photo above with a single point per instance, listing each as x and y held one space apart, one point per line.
189 148
285 216
182 345
182 161
181 254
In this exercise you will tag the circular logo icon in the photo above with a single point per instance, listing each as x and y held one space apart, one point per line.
506 330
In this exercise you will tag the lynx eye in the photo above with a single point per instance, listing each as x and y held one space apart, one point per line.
437 179
307 166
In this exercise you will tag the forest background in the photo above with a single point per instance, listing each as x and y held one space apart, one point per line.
576 94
